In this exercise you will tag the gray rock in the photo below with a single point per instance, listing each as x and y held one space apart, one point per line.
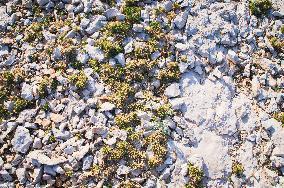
166 174
69 150
96 24
49 170
37 174
111 13
82 152
172 90
180 20
58 169
27 92
61 134
5 175
120 58
87 162
1 162
22 140
37 143
122 170
42 2
168 5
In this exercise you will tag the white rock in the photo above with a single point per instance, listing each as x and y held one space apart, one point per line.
214 151
22 140
95 52
37 143
96 24
27 92
122 170
107 106
181 46
180 20
82 152
172 90
21 175
83 58
79 107
43 159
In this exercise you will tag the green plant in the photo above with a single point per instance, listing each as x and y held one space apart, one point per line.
33 32
282 29
7 77
138 70
118 28
259 7
20 105
132 13
122 94
43 87
158 144
169 74
109 2
45 107
125 121
196 176
95 65
3 112
154 28
237 169
131 2
176 6
76 65
160 10
277 44
52 139
111 48
69 173
164 110
79 80
279 117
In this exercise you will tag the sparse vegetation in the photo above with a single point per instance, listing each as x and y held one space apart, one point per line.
237 169
111 48
196 176
169 74
259 7
132 13
79 80
20 105
279 117
277 44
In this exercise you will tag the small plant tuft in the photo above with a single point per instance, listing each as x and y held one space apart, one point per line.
196 176
237 169
259 7
79 80
132 13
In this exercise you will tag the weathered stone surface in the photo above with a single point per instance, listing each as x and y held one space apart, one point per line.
22 140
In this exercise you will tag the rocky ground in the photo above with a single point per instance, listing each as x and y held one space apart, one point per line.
141 93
